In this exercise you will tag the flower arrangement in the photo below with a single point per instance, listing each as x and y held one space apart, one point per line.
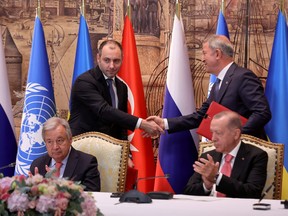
36 195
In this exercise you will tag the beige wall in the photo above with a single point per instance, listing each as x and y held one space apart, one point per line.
61 20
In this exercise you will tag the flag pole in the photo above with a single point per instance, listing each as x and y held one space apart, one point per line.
178 9
223 7
246 34
128 9
82 8
38 9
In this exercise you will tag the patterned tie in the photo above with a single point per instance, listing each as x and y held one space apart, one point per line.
226 170
58 167
112 93
217 87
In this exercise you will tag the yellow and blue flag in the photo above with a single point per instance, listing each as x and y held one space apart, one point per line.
84 56
276 92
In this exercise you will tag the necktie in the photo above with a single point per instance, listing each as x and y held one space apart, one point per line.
226 170
58 167
217 87
112 93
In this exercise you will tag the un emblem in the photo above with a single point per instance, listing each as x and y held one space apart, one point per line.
38 107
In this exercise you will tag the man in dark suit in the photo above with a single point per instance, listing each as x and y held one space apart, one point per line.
248 167
74 165
92 107
240 91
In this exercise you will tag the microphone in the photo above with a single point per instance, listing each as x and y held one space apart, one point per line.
136 196
263 206
9 165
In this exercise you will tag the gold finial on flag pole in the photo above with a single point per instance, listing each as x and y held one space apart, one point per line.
82 8
223 7
38 9
282 4
128 9
178 9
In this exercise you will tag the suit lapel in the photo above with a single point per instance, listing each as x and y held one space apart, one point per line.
46 161
216 156
239 161
71 164
98 75
226 81
120 93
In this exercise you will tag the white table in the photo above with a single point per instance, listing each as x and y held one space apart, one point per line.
188 205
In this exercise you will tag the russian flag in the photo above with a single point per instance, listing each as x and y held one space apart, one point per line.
8 144
177 151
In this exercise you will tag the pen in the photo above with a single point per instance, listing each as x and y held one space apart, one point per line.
264 194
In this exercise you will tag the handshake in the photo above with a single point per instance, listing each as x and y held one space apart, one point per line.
152 126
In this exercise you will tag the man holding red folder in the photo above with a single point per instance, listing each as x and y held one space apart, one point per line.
240 90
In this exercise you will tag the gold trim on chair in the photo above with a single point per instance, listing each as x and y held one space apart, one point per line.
112 155
275 153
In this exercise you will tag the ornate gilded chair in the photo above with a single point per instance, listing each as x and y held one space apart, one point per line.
275 153
112 155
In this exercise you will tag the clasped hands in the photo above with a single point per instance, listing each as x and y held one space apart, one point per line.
208 169
152 126
36 171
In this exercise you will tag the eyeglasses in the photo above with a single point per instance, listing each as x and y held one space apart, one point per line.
59 142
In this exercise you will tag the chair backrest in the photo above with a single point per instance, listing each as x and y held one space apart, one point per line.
112 155
275 153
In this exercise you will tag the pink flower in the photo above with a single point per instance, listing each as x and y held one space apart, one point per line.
62 203
44 195
6 182
88 206
17 202
45 203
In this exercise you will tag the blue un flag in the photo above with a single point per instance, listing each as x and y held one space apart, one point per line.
39 104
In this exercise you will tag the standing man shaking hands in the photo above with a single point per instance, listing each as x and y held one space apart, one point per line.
239 89
99 98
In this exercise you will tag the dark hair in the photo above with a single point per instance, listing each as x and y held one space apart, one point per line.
109 41
53 123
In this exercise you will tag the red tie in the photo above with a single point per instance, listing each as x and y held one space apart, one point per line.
58 166
226 170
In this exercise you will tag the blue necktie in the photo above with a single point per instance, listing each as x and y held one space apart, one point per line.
217 87
112 93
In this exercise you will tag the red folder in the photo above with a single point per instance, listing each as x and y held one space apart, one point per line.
214 108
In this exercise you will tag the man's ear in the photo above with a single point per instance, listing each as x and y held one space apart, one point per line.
218 53
237 133
98 58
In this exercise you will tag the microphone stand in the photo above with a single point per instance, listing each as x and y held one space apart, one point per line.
7 166
136 196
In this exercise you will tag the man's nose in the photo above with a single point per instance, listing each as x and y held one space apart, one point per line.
111 64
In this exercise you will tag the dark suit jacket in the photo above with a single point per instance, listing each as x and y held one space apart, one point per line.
91 106
247 178
80 167
240 91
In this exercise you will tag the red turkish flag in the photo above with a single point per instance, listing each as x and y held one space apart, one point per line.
141 147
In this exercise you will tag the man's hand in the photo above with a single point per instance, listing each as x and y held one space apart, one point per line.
36 171
150 128
158 120
208 169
